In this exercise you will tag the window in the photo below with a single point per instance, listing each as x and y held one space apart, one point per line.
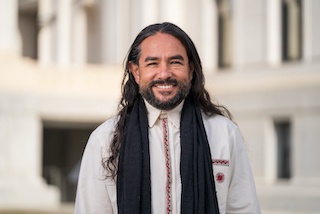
224 33
28 27
283 136
291 30
63 145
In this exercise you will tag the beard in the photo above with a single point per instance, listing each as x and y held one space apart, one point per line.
147 93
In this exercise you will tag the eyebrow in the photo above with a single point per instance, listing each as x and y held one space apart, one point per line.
153 58
178 56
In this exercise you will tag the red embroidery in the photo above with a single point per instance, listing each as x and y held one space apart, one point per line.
220 162
167 153
220 177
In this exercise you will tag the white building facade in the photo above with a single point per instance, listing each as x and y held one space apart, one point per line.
61 69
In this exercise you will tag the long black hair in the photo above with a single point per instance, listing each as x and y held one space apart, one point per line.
130 89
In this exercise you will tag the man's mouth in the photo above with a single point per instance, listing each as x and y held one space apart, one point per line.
164 86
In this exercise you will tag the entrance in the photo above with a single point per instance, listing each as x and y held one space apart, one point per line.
63 146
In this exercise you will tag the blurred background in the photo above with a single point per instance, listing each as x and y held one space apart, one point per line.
61 69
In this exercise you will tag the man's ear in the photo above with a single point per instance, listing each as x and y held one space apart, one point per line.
134 69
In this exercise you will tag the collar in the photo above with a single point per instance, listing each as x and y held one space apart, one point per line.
173 114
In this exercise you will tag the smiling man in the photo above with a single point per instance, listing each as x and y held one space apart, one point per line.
163 72
169 149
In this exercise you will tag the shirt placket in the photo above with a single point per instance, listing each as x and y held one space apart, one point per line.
165 129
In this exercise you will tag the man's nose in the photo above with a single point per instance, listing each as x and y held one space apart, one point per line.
164 72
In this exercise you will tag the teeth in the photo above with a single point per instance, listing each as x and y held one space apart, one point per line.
164 86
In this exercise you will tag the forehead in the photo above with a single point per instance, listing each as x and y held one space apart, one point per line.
162 44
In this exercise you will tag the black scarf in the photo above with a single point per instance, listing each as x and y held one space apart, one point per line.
133 182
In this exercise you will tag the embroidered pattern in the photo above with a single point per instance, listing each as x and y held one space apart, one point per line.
166 147
220 177
220 162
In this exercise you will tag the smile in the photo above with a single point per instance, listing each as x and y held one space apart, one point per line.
164 86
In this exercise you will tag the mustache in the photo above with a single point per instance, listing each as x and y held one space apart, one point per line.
167 81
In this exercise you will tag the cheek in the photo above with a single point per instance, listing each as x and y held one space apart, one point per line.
146 77
187 76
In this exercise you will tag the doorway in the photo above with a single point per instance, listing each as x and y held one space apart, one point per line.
63 146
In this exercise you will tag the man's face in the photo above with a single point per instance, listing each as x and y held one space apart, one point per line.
164 73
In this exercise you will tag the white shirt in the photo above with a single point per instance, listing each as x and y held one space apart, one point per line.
233 177
157 164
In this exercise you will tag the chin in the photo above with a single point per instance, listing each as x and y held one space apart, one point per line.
165 99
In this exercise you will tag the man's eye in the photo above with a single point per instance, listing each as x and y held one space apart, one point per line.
152 63
176 62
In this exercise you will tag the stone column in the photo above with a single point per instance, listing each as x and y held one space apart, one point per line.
173 11
46 20
79 35
115 16
306 168
311 30
10 41
150 12
21 182
274 51
249 43
64 18
209 36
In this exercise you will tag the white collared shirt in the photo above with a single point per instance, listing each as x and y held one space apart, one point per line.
233 177
157 158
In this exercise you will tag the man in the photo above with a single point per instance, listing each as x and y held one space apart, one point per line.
169 149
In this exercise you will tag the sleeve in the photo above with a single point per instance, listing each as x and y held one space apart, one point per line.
242 197
92 195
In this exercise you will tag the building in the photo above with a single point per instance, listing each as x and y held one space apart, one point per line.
61 67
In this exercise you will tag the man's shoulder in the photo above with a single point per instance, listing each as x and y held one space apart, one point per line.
218 122
107 125
105 130
216 118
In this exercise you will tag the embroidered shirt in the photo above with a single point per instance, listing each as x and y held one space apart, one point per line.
157 159
233 177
